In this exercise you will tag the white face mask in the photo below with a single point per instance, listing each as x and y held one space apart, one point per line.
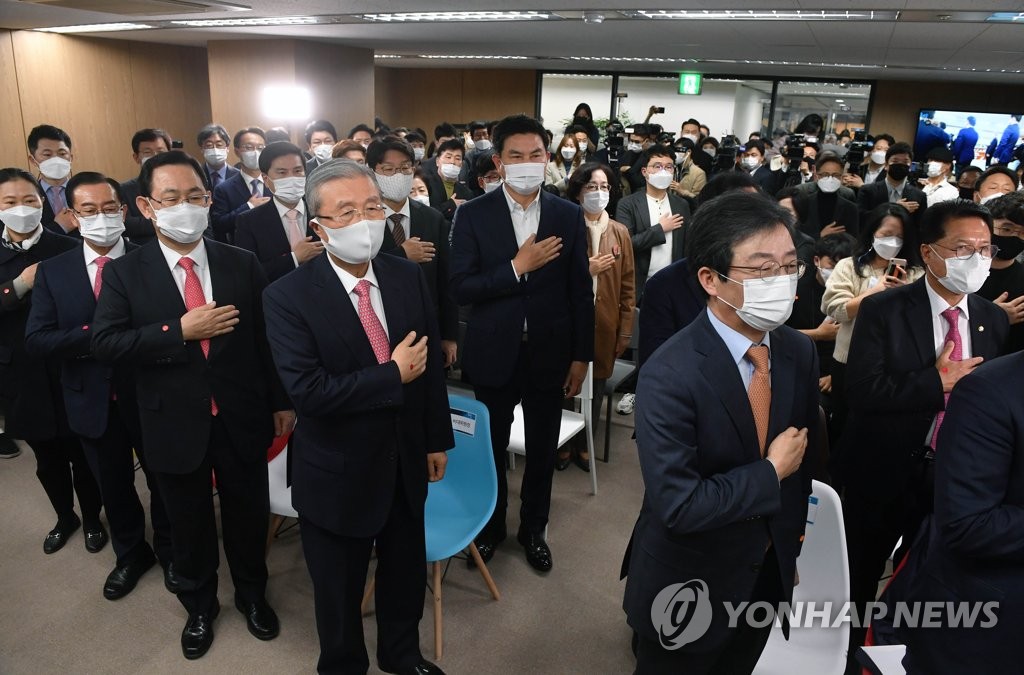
55 168
215 157
422 199
323 152
583 147
595 202
878 157
934 169
766 304
710 152
680 157
887 247
450 171
250 159
356 243
692 137
525 177
490 187
101 229
183 222
987 199
22 219
829 184
482 144
418 153
964 276
635 147
826 272
290 189
660 180
568 153
395 188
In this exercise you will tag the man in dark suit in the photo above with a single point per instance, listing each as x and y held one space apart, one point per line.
213 140
721 444
243 191
146 143
895 188
752 159
906 355
416 232
519 258
278 231
30 386
654 217
964 145
187 315
1003 153
822 206
49 151
100 401
320 138
447 190
975 545
356 345
672 300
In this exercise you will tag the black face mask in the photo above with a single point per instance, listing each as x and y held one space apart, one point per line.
898 172
967 193
1009 247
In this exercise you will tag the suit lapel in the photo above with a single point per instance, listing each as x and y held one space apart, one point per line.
503 232
783 377
224 290
392 297
982 336
164 288
277 238
679 236
643 212
85 296
919 321
344 319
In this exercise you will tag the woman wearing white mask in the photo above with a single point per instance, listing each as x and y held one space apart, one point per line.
611 267
566 160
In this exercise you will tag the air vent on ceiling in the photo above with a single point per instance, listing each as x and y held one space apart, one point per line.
143 7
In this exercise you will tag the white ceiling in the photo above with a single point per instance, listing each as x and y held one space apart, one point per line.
918 45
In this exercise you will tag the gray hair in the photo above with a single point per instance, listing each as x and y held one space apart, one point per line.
335 169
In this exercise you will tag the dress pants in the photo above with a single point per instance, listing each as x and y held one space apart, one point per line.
63 471
110 457
244 513
542 413
337 565
736 656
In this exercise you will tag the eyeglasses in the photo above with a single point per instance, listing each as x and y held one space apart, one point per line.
107 210
391 170
661 167
249 147
349 216
194 200
965 251
1008 231
773 269
594 187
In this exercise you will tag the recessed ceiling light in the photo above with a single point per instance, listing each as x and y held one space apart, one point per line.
490 57
458 16
763 14
264 21
628 59
1006 16
387 56
839 100
96 28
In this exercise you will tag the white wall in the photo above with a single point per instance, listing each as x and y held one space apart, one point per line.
561 94
748 112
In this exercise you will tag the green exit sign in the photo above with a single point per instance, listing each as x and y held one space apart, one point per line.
690 83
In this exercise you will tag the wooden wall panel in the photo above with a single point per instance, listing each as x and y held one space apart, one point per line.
172 91
342 82
12 137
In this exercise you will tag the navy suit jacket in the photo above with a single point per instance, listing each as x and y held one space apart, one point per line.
229 171
137 228
711 503
60 327
49 217
557 300
632 211
975 552
963 146
672 301
261 231
875 194
358 426
230 200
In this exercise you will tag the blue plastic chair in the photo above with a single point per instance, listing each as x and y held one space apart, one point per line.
460 505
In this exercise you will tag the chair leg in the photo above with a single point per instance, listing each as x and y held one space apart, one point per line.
275 524
364 608
438 625
484 572
607 429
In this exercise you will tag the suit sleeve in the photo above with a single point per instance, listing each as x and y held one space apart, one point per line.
470 281
275 266
656 318
316 391
43 334
642 241
116 340
438 421
581 293
666 437
977 451
279 400
877 385
448 319
222 218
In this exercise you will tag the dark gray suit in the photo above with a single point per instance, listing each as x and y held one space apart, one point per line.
636 216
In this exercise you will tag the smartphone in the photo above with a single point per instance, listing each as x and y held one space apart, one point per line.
177 145
891 271
660 110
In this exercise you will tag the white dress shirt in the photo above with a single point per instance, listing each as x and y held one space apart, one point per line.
661 255
943 191
939 329
248 186
90 258
282 209
201 267
406 218
738 344
21 289
871 176
376 302
524 221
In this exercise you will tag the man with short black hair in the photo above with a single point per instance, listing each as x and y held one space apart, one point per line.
213 140
993 183
752 160
824 206
895 189
965 144
447 190
1008 141
1005 283
243 191
320 138
874 168
481 137
146 143
49 150
361 134
938 168
966 181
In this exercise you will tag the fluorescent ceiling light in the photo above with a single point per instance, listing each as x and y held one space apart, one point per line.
387 56
481 56
818 64
96 28
458 16
629 59
265 21
1006 16
763 14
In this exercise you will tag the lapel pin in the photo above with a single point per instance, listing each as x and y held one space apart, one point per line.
981 329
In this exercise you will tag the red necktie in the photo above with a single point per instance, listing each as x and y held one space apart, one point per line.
101 262
952 316
194 297
371 324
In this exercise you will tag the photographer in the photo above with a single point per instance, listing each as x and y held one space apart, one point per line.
690 179
874 169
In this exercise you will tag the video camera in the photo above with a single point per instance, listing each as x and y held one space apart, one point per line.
860 147
666 138
725 156
794 154
614 140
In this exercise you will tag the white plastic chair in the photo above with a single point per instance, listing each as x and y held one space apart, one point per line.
824 577
883 660
280 494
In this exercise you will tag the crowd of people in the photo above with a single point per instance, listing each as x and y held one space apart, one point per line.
187 316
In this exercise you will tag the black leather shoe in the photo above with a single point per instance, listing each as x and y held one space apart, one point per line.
537 552
260 618
123 579
8 448
59 535
486 552
170 578
424 667
562 463
582 463
197 636
95 538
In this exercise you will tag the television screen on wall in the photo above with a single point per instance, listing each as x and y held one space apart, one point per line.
977 138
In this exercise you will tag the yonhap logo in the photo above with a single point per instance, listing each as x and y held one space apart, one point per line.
681 613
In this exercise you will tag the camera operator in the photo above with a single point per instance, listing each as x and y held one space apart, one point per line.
874 168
